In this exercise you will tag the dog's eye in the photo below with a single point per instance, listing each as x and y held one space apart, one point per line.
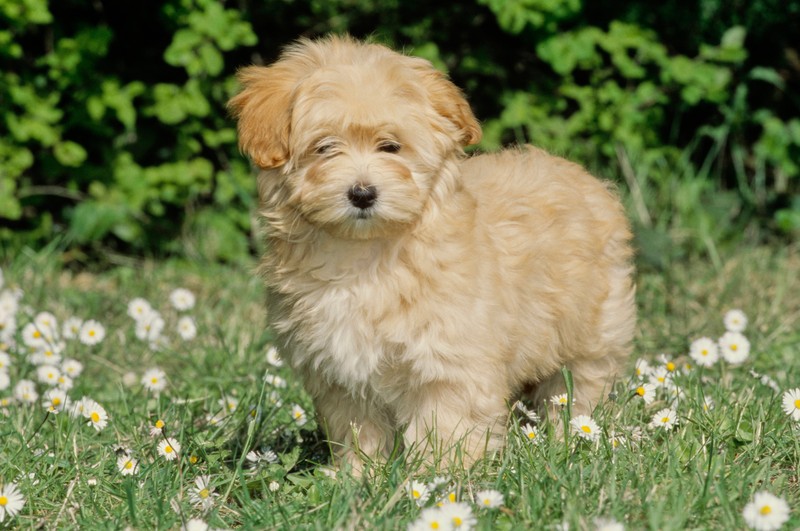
389 147
324 149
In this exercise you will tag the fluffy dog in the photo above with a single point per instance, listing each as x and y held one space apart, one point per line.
413 289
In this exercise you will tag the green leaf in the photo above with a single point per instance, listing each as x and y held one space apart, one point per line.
69 153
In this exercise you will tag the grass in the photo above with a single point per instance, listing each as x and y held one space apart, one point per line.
699 475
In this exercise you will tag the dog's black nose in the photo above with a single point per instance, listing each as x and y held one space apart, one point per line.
362 196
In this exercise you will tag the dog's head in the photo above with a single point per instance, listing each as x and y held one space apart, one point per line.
358 133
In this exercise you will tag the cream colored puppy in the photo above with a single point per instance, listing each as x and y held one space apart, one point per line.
413 289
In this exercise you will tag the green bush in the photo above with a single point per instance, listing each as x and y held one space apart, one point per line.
114 135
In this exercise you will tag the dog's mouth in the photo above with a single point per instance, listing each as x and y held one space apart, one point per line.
364 214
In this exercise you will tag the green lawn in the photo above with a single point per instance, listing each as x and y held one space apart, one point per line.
698 475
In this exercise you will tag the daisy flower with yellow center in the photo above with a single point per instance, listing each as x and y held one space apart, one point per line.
150 326
169 448
489 499
182 299
645 391
25 391
55 400
202 494
766 512
583 426
299 415
5 361
33 337
531 433
71 328
659 376
734 347
154 380
642 368
560 400
187 328
791 404
704 351
735 321
98 418
47 374
49 354
274 357
418 492
127 465
92 333
157 429
47 324
72 368
459 515
5 380
431 518
11 501
138 308
229 404
665 419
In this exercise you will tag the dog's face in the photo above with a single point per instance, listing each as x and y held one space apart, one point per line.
358 133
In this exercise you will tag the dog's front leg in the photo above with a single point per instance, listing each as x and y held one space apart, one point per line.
453 424
357 429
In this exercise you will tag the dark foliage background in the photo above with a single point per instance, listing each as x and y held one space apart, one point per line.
114 139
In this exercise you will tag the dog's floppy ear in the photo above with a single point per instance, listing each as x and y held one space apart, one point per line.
449 102
263 112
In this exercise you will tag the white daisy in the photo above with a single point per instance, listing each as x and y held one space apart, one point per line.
531 433
431 518
267 456
735 321
646 391
98 418
560 400
127 465
585 427
48 355
665 418
274 357
274 486
5 381
72 368
659 376
154 380
150 326
766 512
65 383
642 368
77 407
708 403
47 374
55 400
92 332
25 391
47 323
169 448
195 524
460 515
33 337
299 415
157 429
608 524
11 501
418 492
71 328
182 299
791 403
704 351
275 381
489 499
202 494
187 329
734 347
139 308
228 403
5 361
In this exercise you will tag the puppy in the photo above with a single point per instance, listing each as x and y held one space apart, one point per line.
413 289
